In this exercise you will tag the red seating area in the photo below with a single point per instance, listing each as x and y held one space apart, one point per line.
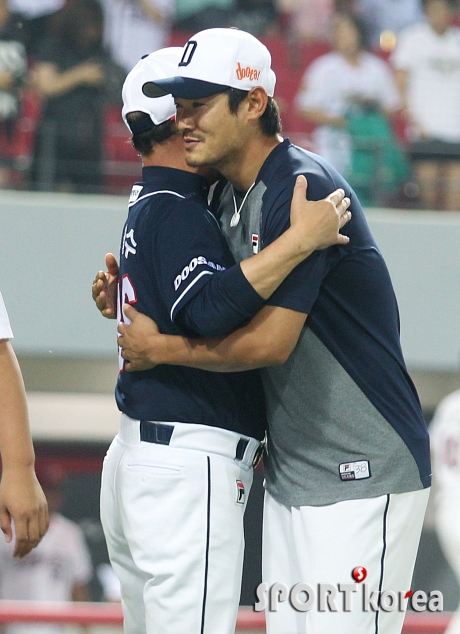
17 151
121 163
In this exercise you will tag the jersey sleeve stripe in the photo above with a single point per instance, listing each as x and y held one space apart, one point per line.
162 191
186 290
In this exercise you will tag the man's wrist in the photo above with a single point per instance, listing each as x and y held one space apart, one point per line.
18 466
173 350
298 249
158 351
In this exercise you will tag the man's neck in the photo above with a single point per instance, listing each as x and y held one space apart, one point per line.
243 172
169 153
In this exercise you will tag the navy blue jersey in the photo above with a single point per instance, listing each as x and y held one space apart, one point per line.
344 397
171 249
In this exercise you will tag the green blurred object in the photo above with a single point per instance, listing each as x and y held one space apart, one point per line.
378 164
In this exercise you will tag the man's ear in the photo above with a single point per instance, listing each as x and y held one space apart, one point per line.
257 101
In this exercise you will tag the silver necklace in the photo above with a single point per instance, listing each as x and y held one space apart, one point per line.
237 213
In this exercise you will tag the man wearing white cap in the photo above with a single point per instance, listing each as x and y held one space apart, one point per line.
176 478
348 466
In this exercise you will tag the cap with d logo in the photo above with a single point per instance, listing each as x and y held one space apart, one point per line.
215 60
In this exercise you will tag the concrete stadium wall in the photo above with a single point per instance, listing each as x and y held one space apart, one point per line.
422 251
53 244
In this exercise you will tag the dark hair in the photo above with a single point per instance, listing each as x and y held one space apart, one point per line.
270 121
144 142
452 3
71 24
360 27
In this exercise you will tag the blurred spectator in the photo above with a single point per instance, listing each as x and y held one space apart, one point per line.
445 445
258 17
427 62
196 15
384 19
349 94
307 20
110 583
13 70
133 28
34 8
76 78
38 14
345 6
58 569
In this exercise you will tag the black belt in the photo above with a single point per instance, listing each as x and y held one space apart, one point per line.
156 432
161 435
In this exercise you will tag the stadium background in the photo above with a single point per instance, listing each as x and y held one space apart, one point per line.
52 244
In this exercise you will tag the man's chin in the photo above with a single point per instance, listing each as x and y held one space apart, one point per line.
194 161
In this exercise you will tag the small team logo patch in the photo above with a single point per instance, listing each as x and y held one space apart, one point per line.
255 243
136 190
240 497
355 470
247 72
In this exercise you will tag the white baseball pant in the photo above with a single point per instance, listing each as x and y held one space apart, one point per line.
324 544
173 520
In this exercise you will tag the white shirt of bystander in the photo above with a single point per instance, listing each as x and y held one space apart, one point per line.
34 9
48 573
445 446
130 32
432 62
5 328
331 84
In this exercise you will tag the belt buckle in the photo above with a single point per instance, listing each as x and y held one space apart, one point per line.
259 454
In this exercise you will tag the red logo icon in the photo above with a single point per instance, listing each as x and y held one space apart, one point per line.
408 594
359 573
239 492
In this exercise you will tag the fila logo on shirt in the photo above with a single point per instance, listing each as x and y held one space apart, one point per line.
355 470
240 496
255 243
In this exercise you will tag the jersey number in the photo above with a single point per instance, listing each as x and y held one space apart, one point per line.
126 295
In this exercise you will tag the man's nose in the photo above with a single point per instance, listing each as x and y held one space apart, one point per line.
184 121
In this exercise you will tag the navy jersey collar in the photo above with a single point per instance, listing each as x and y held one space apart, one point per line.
280 148
179 181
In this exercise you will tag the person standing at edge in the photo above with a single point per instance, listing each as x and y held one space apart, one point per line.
22 501
176 477
348 466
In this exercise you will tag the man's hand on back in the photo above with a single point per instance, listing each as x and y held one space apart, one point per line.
139 340
317 224
104 289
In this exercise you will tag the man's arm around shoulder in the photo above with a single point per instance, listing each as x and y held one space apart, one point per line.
268 339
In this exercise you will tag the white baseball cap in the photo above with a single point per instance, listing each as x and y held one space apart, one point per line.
157 65
215 60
